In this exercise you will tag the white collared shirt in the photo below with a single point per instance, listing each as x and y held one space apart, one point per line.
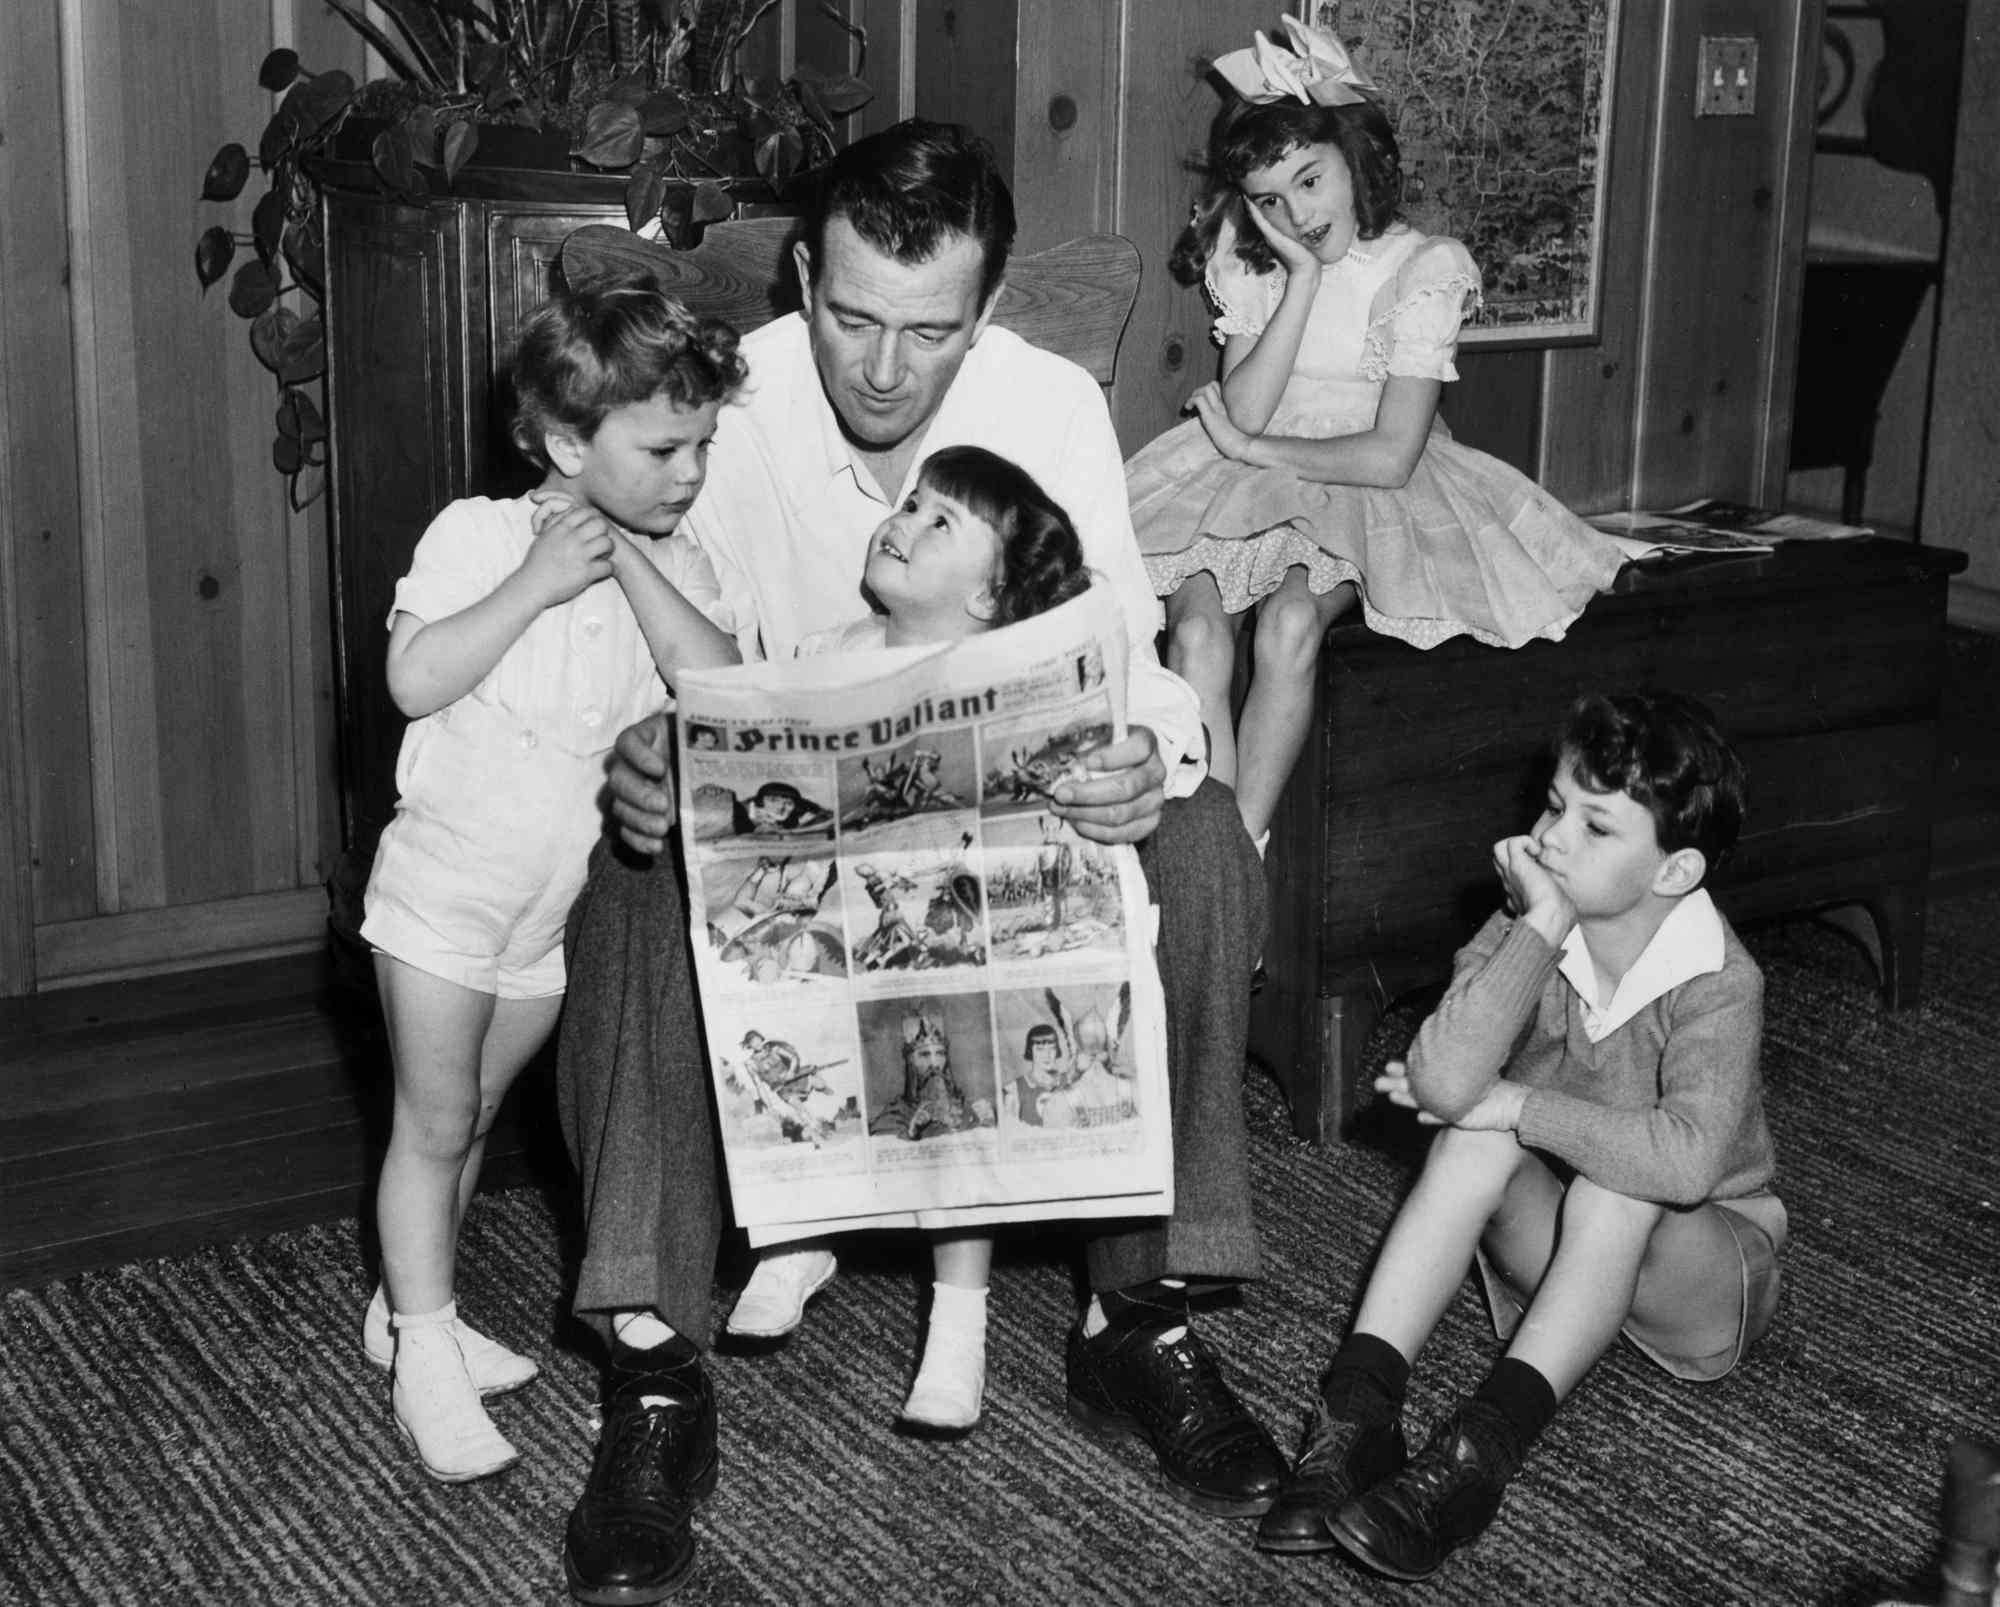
1688 944
786 513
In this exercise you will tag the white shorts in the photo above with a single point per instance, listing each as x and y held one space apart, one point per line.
477 888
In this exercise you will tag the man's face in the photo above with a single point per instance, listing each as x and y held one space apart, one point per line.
889 337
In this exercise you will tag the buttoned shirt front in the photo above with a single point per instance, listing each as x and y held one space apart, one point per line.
787 512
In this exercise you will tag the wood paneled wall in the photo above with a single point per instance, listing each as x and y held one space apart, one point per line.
172 687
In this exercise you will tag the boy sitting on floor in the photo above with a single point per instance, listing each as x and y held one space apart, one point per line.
1604 1155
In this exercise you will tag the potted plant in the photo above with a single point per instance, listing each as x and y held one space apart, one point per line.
653 90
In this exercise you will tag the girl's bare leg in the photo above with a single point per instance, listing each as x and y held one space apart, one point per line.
1201 650
1423 1260
1277 711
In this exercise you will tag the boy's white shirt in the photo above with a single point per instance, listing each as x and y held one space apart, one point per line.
1688 944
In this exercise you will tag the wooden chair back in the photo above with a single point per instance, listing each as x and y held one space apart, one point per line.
1072 299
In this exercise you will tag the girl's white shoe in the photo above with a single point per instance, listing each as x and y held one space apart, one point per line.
494 1368
436 1405
951 1384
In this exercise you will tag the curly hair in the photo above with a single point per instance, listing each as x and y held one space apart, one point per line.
909 188
1662 750
1041 557
1248 135
583 353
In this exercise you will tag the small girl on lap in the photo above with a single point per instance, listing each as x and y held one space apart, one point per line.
978 545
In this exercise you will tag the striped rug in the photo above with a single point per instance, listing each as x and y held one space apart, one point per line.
205 1430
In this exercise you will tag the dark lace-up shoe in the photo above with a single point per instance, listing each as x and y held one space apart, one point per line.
629 1539
1409 1523
1338 1460
1131 1382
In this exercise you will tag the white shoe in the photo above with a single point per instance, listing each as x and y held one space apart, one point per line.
773 1302
950 1387
494 1368
436 1406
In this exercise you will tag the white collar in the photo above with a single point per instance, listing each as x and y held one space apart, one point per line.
1688 944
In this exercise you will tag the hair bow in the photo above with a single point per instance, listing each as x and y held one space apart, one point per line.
1315 70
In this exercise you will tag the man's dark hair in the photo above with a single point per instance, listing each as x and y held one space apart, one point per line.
1662 750
909 189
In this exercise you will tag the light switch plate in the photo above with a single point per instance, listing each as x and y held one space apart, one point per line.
1728 76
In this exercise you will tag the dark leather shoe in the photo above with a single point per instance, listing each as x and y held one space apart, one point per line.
1409 1523
1338 1460
629 1539
1131 1383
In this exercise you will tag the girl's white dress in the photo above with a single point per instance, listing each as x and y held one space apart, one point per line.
1469 546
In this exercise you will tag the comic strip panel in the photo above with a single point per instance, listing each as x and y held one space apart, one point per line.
1049 891
753 803
928 1064
1064 1059
931 774
916 911
1024 759
790 1080
775 919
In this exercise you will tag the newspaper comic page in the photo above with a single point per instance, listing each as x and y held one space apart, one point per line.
927 999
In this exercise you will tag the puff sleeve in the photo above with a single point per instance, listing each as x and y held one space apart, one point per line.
1242 298
1413 327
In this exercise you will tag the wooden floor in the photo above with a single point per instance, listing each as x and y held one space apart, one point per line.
148 1118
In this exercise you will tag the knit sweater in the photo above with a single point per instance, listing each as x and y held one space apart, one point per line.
1667 1107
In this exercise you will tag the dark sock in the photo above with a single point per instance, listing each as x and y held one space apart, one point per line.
630 1367
1521 1398
1162 1303
1366 1380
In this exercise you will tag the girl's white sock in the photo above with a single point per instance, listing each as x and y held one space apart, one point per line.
950 1386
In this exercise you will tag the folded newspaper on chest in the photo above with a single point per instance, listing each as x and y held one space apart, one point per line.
927 999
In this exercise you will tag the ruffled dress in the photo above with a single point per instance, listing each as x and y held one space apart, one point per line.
1469 546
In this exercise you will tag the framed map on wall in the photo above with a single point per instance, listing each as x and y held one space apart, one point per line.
1503 113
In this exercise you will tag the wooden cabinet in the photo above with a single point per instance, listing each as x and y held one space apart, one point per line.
422 306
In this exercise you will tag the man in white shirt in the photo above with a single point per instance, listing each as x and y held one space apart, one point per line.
893 357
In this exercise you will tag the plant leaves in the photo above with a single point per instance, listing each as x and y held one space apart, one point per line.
320 98
421 124
228 172
460 141
844 94
302 357
712 203
309 485
299 418
394 159
664 113
778 154
612 135
643 193
286 455
278 71
253 289
306 256
268 332
485 65
267 225
213 253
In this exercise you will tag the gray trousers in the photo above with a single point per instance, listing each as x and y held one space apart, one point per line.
637 1112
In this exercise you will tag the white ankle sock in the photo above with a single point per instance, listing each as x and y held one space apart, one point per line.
953 1307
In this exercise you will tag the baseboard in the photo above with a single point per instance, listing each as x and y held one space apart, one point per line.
178 937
